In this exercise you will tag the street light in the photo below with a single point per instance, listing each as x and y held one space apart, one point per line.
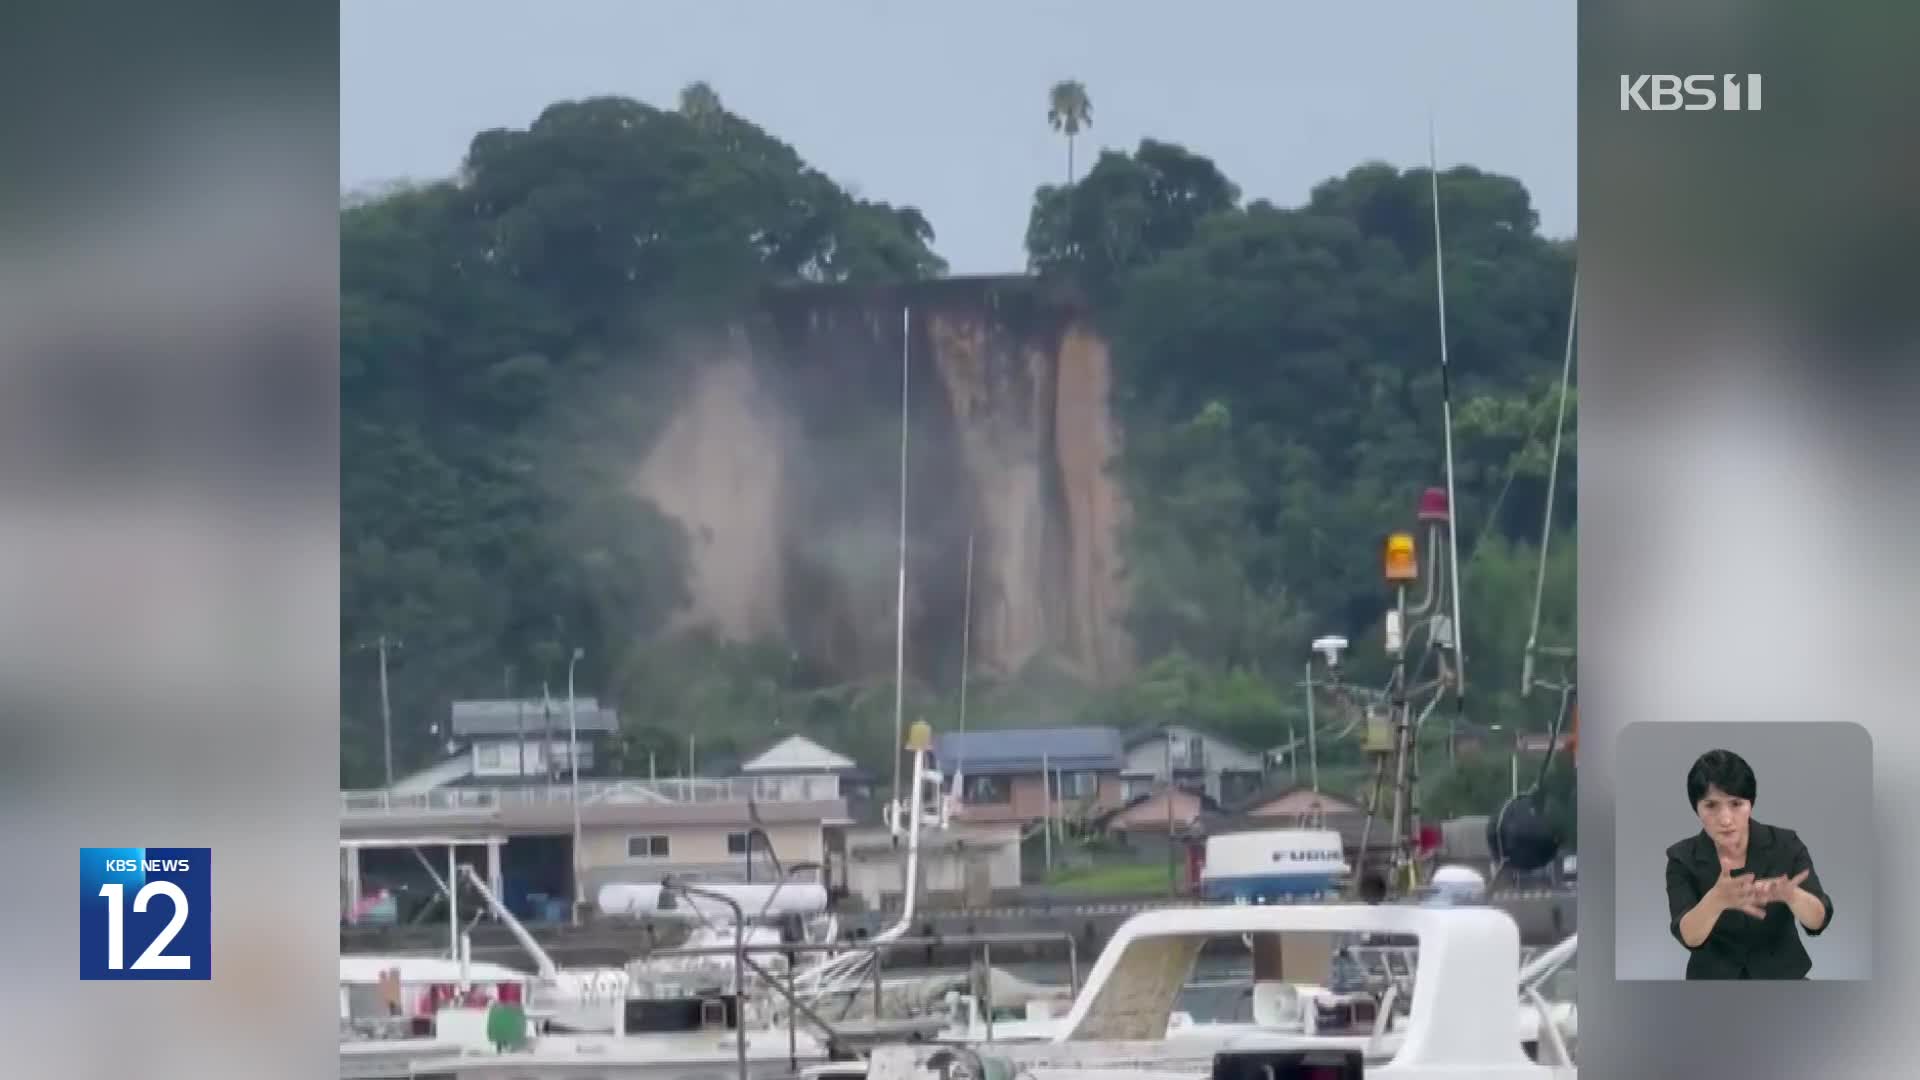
573 762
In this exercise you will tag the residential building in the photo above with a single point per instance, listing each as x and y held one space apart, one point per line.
969 862
799 757
1220 769
1149 815
510 812
1003 772
505 742
520 836
709 842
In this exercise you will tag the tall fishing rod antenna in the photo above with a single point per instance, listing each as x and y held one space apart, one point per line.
1553 477
1446 428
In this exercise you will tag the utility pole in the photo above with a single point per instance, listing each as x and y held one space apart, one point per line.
520 721
1046 821
546 750
573 763
1171 877
386 706
1313 746
382 643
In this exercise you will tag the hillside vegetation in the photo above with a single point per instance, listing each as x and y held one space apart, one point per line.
1277 382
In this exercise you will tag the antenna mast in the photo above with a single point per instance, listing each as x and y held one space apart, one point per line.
1446 420
900 594
1553 477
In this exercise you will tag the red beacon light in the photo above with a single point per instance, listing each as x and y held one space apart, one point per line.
1434 505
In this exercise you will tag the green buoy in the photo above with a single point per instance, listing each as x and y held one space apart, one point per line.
506 1026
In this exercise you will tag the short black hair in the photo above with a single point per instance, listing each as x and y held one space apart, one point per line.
1725 770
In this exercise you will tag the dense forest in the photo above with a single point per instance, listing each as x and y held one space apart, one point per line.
1276 378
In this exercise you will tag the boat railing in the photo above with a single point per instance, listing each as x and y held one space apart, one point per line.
1401 961
803 997
360 1029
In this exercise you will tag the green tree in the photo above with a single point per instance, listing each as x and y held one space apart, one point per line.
1069 110
1127 213
700 104
1483 783
503 337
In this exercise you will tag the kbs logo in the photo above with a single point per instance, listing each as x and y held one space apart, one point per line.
1693 93
144 913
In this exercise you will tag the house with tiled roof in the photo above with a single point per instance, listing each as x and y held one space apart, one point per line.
1021 774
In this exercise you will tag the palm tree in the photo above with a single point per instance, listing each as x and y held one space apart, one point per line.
1069 109
700 104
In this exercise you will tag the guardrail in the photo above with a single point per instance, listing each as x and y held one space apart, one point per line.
456 801
438 801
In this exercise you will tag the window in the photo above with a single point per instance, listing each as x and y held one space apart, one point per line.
1136 787
487 756
736 843
561 755
1239 784
647 847
1078 785
986 789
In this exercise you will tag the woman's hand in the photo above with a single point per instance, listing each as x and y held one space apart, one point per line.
1778 890
1740 893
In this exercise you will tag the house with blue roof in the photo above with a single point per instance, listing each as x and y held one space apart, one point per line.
1005 773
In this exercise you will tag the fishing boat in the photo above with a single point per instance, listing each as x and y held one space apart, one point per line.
1456 1020
667 1040
395 997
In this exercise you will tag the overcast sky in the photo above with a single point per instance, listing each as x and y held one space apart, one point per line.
943 105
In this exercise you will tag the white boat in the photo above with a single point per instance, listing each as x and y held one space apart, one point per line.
389 1006
697 1044
1458 1020
418 979
1023 1012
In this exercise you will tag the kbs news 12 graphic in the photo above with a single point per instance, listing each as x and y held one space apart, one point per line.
146 913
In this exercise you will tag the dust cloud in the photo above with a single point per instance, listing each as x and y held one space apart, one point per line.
781 463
